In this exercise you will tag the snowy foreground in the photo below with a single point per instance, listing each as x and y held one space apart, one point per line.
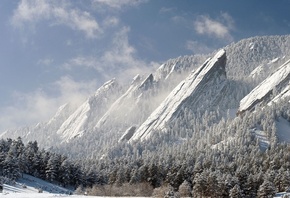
48 195
28 187
38 195
42 195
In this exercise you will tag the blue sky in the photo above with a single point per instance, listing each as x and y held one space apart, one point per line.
58 51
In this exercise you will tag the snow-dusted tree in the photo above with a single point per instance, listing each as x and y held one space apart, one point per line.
135 178
185 189
267 189
65 172
199 184
236 192
52 168
11 163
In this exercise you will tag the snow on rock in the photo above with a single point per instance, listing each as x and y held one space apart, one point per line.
257 71
121 112
201 87
128 133
274 60
283 94
85 117
262 137
252 45
179 65
60 115
276 81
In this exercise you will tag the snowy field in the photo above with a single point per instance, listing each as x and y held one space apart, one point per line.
38 195
44 195
29 186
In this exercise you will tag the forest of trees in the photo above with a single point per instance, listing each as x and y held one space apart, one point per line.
217 158
17 159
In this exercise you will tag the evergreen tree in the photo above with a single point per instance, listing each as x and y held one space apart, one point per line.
185 189
266 190
236 192
52 168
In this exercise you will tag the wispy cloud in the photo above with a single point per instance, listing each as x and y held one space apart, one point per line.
166 9
219 28
33 107
197 47
110 21
58 13
119 61
118 4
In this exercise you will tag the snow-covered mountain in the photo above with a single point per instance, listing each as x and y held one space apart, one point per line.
276 83
154 101
124 110
203 87
43 132
83 119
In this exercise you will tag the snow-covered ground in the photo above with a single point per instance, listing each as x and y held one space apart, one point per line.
28 187
262 137
43 195
281 194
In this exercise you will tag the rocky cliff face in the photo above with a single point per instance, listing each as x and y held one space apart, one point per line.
83 119
125 111
277 84
201 89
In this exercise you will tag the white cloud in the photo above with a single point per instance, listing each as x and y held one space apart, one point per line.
197 47
219 28
166 9
118 4
31 108
118 61
57 12
110 21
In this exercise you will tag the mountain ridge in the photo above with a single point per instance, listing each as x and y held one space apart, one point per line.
143 96
174 102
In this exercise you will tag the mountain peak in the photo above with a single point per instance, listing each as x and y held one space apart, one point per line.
192 92
276 81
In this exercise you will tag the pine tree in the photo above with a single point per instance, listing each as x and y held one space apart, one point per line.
236 192
185 189
199 184
52 168
266 190
65 172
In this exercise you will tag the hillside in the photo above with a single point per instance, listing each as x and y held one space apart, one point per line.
96 125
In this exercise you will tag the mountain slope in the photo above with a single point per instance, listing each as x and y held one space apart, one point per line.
206 82
122 110
276 82
43 132
83 119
